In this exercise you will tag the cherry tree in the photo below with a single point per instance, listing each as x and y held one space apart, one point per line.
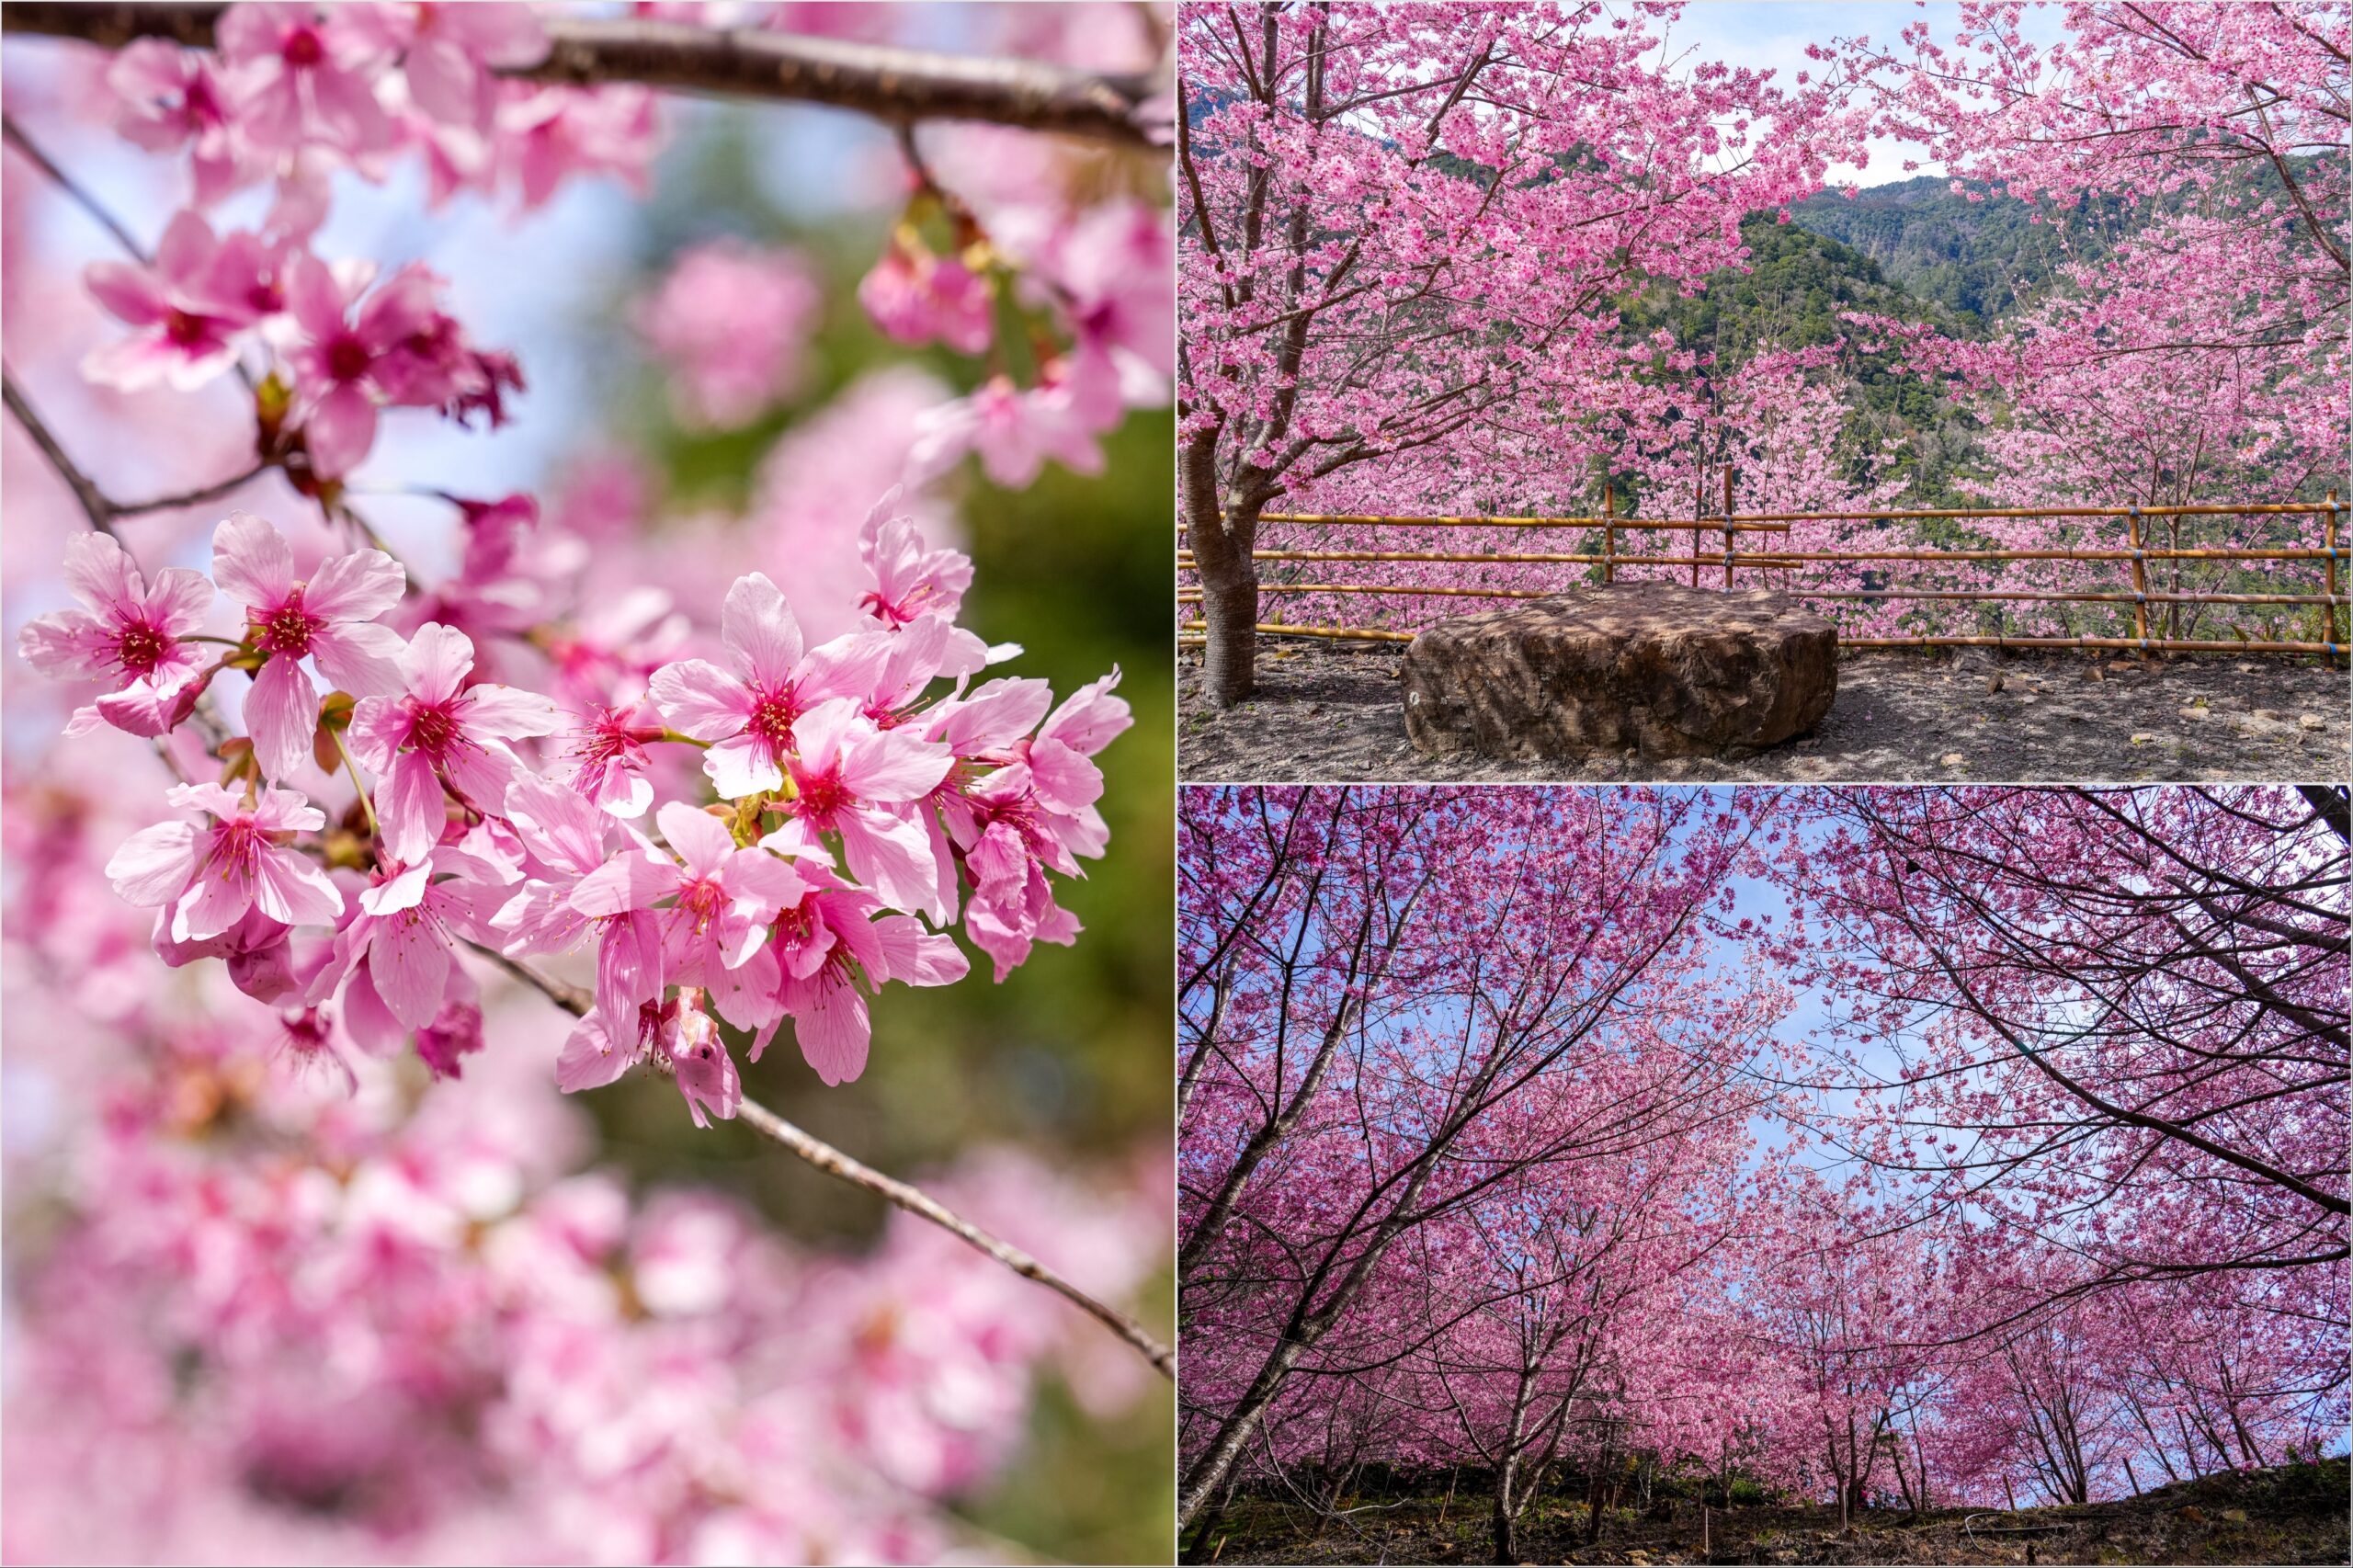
1403 231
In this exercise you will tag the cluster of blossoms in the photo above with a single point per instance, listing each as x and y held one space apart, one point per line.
856 820
302 1329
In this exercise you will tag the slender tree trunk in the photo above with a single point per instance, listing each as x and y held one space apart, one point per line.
1209 1471
1222 544
1507 1471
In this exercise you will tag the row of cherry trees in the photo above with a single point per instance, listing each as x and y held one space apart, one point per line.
1934 1147
1407 233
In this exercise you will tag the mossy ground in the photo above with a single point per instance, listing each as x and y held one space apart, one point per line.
2292 1514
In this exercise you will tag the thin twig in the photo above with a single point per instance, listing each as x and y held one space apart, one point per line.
843 1167
196 497
14 137
887 83
95 505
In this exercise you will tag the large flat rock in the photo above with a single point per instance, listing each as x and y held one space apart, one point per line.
1648 667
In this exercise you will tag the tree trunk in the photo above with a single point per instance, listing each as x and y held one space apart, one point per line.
1209 1471
1222 543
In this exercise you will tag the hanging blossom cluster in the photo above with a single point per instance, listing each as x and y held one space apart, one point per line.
856 820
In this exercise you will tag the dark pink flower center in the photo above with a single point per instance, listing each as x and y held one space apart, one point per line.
347 359
185 329
772 716
432 726
702 898
822 794
302 49
139 647
287 629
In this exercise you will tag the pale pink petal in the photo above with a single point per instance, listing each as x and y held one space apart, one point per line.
740 766
357 586
292 888
589 1058
436 662
410 812
101 573
892 855
367 1021
701 699
634 880
178 600
340 429
252 562
68 643
700 840
405 890
893 766
829 1020
759 630
510 714
281 716
131 294
213 903
154 864
411 968
361 657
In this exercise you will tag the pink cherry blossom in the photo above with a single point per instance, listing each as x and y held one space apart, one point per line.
194 306
732 323
174 98
206 880
399 946
329 617
855 780
399 348
822 944
724 897
308 72
441 736
450 54
1014 430
915 297
748 715
911 578
130 636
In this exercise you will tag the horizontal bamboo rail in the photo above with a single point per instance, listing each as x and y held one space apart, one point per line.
2133 644
1783 557
1728 524
1392 590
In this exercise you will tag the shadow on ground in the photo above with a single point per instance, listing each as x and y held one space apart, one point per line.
1331 713
2292 1514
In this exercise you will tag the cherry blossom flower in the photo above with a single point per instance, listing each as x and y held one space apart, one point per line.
442 734
916 297
328 618
173 97
206 880
409 920
748 715
911 578
194 306
1013 429
130 636
400 349
725 896
449 61
822 944
308 72
731 322
855 780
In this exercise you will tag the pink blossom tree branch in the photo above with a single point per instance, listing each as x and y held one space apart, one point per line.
898 86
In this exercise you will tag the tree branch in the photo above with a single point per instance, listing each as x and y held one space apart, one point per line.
102 512
891 1190
896 86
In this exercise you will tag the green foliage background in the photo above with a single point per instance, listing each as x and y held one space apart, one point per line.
1070 1057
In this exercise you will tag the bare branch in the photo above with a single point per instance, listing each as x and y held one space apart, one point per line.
896 86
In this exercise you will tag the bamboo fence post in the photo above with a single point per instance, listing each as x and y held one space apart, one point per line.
1609 534
1727 528
2140 581
2329 540
1699 506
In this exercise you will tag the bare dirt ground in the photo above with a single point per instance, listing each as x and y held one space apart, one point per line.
2293 1514
1326 712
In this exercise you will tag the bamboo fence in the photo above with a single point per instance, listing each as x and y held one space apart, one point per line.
1731 526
